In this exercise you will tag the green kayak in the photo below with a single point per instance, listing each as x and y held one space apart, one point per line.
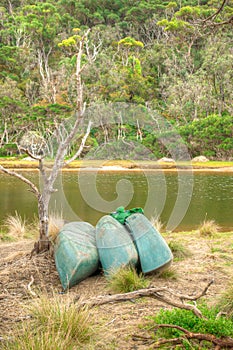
153 251
76 255
114 244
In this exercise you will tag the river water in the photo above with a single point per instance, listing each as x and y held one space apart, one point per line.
181 199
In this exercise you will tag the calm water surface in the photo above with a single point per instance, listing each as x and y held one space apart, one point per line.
182 201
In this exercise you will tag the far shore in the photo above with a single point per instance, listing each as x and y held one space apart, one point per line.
123 165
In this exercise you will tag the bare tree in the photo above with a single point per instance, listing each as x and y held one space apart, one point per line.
49 175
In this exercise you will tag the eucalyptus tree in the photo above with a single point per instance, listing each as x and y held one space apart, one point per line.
192 84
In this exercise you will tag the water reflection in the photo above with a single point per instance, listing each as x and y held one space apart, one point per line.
212 196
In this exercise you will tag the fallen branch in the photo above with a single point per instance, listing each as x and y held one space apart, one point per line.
156 293
156 344
29 287
223 342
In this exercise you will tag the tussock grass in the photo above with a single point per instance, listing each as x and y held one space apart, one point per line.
157 223
56 222
126 279
208 228
54 325
179 251
225 302
15 226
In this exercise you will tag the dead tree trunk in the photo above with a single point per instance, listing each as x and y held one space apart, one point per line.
49 176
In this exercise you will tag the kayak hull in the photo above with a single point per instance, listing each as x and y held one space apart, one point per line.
114 244
76 255
153 251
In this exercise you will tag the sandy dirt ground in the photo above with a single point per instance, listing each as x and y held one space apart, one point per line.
212 258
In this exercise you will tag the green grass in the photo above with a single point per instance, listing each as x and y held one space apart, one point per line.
5 237
126 279
168 274
225 303
179 251
55 325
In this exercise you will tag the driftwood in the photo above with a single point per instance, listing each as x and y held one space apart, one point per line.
218 342
162 294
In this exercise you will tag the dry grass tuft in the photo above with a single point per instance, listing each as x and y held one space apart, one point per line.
56 222
16 226
157 223
208 228
55 324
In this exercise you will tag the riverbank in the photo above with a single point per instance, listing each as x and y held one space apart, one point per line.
118 165
210 258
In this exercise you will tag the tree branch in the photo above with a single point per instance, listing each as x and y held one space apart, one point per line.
79 151
156 293
217 12
223 23
80 106
30 154
41 164
22 178
222 342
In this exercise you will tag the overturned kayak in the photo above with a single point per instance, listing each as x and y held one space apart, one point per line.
76 255
114 244
153 251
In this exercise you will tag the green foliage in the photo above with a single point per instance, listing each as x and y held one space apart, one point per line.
213 134
174 25
131 42
211 324
126 280
154 53
8 149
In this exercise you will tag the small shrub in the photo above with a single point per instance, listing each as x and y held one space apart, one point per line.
55 325
208 228
126 279
15 225
179 251
220 327
225 303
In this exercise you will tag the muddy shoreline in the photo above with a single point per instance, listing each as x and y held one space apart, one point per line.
123 165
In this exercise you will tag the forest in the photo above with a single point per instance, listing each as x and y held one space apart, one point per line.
175 58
